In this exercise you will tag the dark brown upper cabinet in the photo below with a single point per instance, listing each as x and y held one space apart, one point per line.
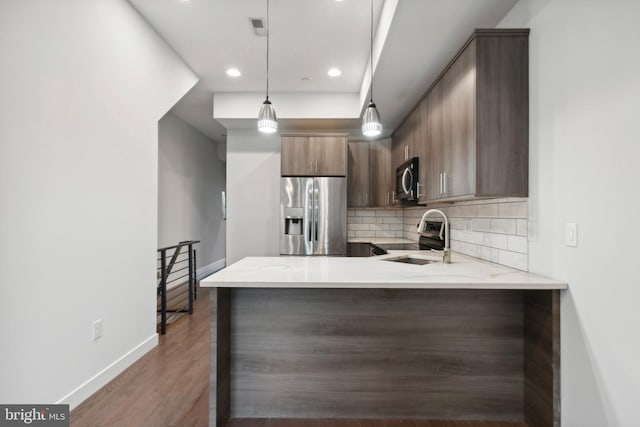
472 134
358 174
381 175
314 155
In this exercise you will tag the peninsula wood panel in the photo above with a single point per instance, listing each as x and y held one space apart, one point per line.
337 422
371 353
542 358
220 357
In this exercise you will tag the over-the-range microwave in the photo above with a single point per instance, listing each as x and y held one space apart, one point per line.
407 181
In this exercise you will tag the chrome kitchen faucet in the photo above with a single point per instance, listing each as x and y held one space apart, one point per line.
446 253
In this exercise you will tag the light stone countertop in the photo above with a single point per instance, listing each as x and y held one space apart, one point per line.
375 272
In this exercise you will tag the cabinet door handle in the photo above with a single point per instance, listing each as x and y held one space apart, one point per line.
388 198
444 182
316 166
440 188
418 190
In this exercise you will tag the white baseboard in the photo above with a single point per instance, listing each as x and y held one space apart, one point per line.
208 270
99 380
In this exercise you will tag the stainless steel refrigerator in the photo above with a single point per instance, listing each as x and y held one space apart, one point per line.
313 216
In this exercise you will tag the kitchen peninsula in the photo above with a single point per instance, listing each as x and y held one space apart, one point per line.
354 338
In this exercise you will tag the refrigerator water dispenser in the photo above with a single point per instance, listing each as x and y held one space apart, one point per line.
293 221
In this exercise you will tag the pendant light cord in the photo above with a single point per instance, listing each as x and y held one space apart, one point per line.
371 57
268 34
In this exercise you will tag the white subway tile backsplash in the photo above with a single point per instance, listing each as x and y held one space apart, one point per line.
503 226
493 230
385 212
473 237
385 234
489 254
355 226
481 224
379 227
517 244
469 249
392 220
514 260
513 210
489 210
459 223
498 241
521 227
367 233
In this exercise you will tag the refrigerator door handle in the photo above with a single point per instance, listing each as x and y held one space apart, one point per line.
310 213
315 213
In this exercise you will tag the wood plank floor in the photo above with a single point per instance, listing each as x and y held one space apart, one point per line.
169 387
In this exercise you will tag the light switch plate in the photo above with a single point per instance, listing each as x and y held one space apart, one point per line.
571 234
96 329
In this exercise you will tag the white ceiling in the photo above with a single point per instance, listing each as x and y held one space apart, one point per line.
307 38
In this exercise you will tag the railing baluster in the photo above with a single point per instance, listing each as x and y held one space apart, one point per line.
163 290
195 281
191 281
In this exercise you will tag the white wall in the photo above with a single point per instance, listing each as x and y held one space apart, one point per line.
253 194
190 179
584 64
83 86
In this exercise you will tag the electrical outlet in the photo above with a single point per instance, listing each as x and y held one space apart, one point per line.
97 329
571 234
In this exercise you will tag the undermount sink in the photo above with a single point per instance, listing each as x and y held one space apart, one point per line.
406 259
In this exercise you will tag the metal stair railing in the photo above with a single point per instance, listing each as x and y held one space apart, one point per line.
170 270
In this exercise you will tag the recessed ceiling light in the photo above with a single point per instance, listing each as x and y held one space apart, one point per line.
233 72
334 72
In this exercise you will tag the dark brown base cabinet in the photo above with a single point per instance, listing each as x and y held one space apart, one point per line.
471 128
490 357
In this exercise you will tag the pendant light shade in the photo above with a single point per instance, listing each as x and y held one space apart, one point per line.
267 121
371 124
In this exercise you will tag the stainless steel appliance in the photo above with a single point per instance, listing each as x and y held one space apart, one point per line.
407 181
313 216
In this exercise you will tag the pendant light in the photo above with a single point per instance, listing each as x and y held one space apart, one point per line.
371 125
267 121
